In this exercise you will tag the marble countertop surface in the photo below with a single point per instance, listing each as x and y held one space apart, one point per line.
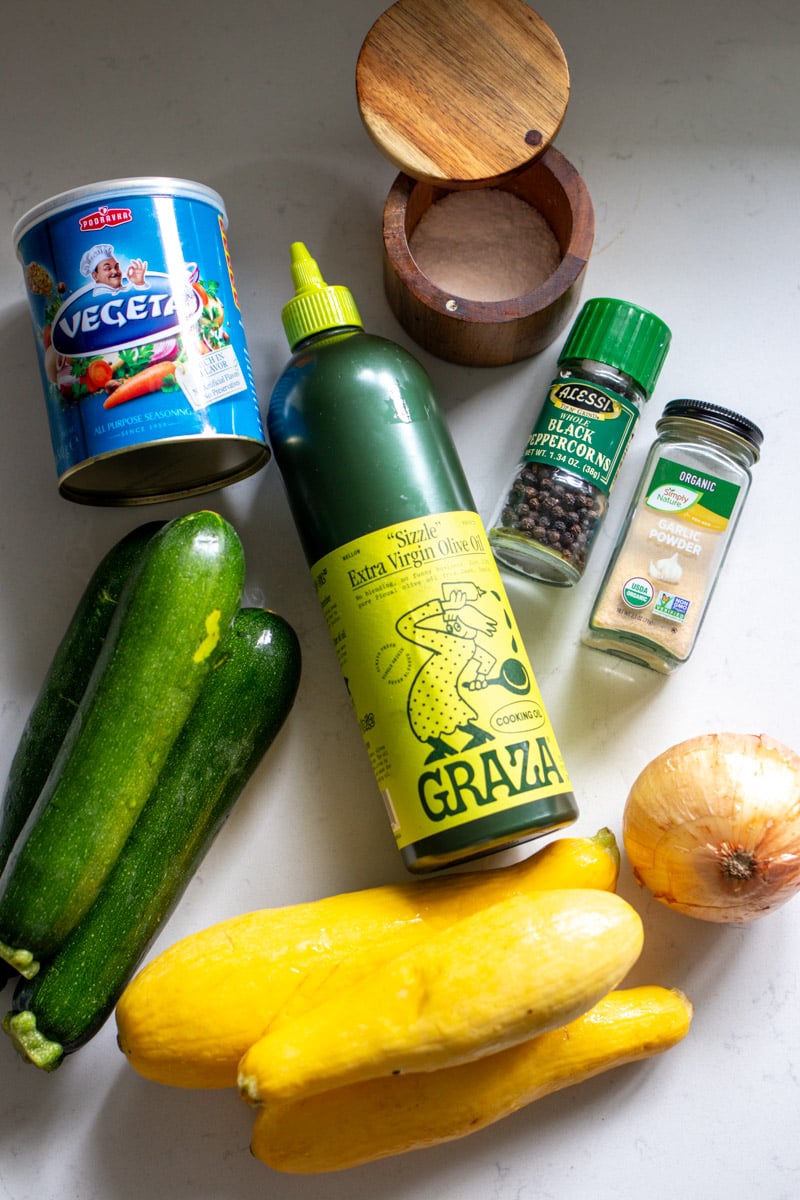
683 121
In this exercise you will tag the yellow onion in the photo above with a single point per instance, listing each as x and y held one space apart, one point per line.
712 826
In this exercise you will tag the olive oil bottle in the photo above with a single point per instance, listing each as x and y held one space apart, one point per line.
451 716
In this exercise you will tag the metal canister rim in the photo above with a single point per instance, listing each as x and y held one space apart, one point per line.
145 185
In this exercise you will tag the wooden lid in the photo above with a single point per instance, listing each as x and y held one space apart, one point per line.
461 91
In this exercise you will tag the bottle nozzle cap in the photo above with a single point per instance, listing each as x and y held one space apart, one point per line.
305 272
316 306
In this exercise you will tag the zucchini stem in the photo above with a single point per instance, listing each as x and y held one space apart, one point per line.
21 960
30 1042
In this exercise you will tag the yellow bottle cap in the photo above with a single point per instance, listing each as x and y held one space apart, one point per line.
316 306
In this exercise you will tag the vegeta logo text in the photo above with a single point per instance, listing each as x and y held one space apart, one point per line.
89 323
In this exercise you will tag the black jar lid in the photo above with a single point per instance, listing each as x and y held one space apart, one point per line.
714 414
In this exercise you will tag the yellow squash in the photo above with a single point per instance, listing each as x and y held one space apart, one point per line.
188 1017
343 1128
496 978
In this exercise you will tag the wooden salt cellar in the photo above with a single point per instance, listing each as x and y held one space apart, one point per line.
470 93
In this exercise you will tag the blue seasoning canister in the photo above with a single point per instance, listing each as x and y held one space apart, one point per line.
140 340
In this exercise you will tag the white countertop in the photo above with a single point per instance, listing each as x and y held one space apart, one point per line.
684 123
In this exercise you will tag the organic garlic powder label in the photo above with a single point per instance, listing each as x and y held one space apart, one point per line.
666 569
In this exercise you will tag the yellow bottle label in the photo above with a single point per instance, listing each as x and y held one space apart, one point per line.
445 696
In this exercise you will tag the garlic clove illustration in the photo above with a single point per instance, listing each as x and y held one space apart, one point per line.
668 570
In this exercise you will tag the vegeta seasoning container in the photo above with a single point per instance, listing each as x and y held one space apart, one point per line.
456 731
143 358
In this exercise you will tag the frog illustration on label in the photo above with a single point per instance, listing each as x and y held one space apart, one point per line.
451 628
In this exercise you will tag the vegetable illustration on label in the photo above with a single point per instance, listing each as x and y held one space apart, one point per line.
119 325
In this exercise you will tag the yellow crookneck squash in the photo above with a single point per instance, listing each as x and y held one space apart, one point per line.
362 1122
191 1014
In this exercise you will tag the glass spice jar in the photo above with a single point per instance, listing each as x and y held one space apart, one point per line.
552 509
673 542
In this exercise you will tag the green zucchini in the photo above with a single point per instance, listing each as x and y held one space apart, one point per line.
65 683
240 709
159 650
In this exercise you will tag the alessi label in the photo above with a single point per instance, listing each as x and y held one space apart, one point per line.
584 429
440 681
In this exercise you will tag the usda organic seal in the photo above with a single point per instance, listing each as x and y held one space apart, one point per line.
637 592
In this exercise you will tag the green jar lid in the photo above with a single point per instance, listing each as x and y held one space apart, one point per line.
621 335
316 305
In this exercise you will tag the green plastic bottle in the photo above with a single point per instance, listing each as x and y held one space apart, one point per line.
445 697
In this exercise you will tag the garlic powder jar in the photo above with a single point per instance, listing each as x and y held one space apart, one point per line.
673 542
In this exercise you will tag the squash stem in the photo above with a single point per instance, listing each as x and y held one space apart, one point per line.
605 838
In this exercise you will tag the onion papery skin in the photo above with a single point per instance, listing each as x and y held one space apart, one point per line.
712 826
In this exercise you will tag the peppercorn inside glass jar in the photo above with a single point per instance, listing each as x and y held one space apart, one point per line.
555 509
555 503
